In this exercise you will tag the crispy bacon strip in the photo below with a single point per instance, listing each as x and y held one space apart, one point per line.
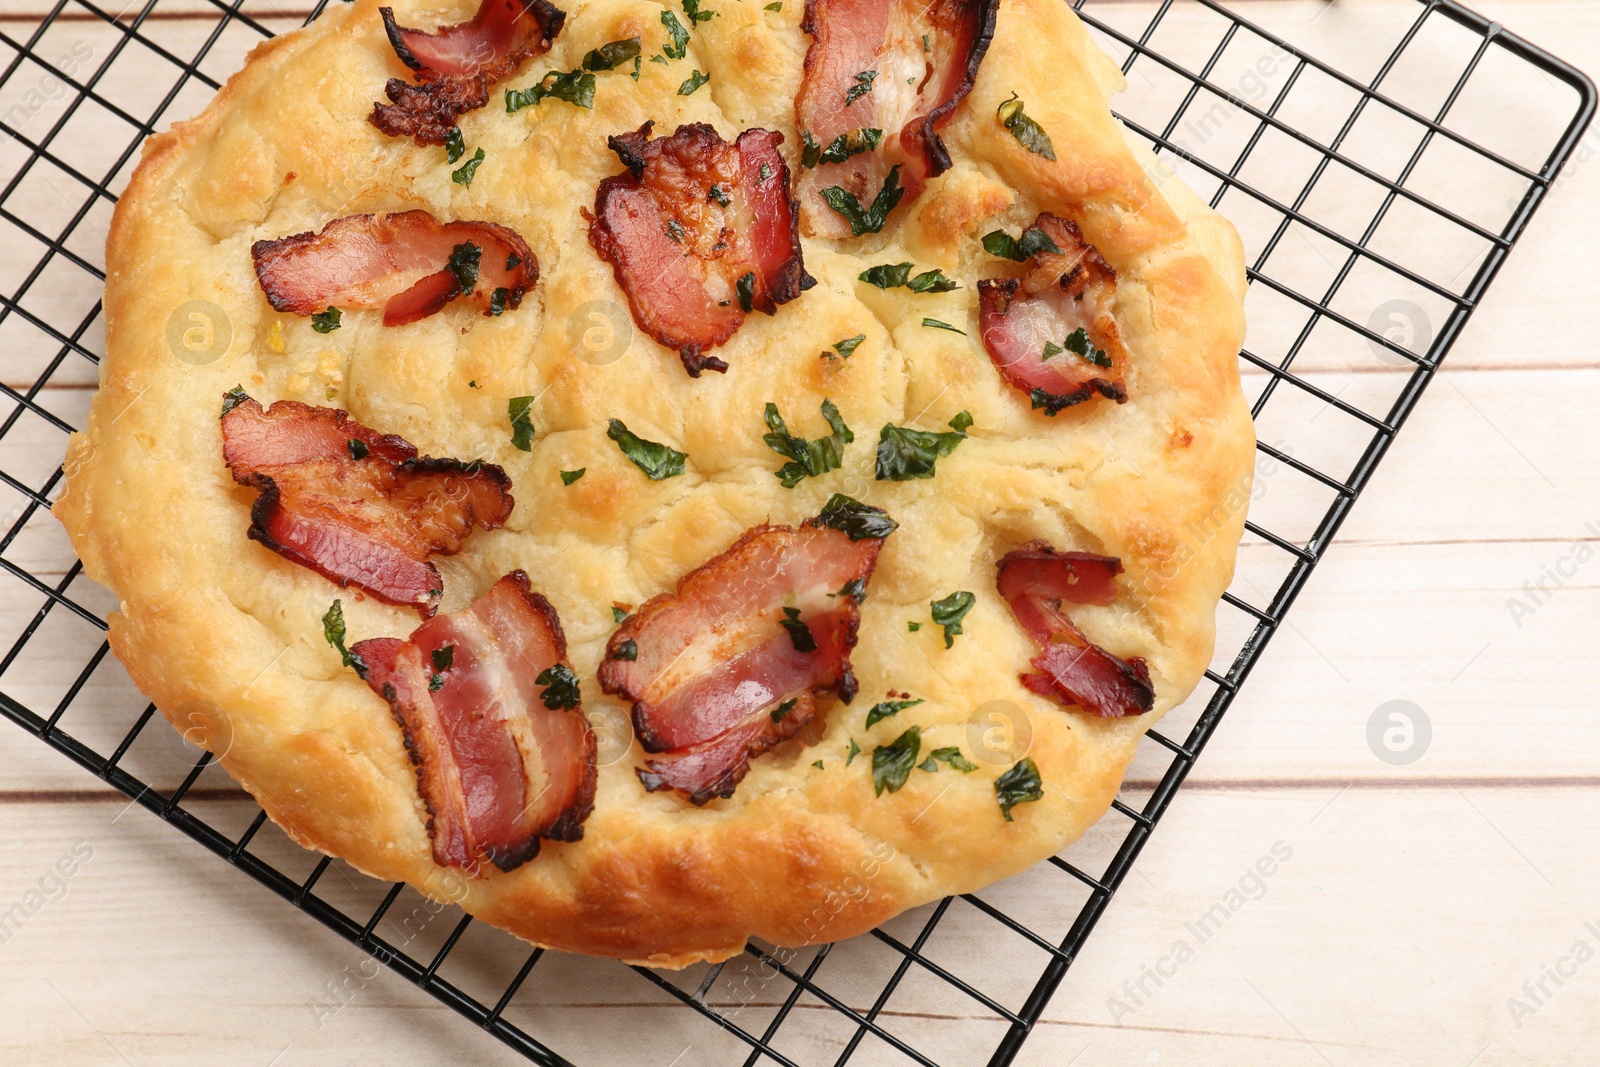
924 55
1036 580
496 766
456 65
401 263
1061 293
717 663
371 521
699 233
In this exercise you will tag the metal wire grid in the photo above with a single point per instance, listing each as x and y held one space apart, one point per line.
864 1031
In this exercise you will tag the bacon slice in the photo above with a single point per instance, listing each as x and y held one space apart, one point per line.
1061 294
371 522
717 662
699 233
400 263
456 65
925 54
497 768
1035 580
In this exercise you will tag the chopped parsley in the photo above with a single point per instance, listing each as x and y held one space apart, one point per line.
848 346
609 56
326 321
763 174
856 520
807 459
717 193
333 632
816 763
940 324
691 8
435 682
233 398
1051 349
463 174
497 300
862 86
950 611
513 261
463 263
678 47
574 86
892 763
1078 344
869 220
904 453
454 146
898 275
656 460
746 288
568 477
519 407
693 82
357 448
443 657
855 589
855 750
799 633
618 614
883 709
951 755
626 650
776 5
1029 134
1002 245
783 709
913 627
675 230
561 687
1020 785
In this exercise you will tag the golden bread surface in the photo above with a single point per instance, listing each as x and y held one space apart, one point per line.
218 630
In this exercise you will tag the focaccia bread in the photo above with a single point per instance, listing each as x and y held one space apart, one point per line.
1115 500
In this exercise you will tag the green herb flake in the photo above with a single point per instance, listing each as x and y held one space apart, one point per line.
904 453
939 324
334 633
454 146
1034 241
913 627
678 47
783 709
807 459
952 756
561 687
848 346
656 460
847 144
463 263
612 54
932 281
763 174
870 220
443 657
810 150
626 650
435 682
950 611
817 764
887 275
855 750
693 82
717 193
862 86
618 614
675 230
884 709
233 398
326 321
777 5
746 288
856 520
1020 785
357 448
855 589
691 8
463 174
497 300
520 408
799 633
1078 344
892 763
513 261
1051 349
568 477
1029 134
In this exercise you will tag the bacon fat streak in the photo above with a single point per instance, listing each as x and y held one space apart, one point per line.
371 521
496 766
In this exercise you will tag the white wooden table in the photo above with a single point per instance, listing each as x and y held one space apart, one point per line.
1442 912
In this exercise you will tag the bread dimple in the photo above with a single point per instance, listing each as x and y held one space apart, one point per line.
209 619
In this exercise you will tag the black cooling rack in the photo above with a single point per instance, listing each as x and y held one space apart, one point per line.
1322 147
